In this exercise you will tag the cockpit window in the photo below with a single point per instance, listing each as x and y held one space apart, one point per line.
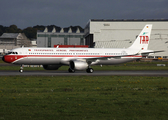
12 53
9 53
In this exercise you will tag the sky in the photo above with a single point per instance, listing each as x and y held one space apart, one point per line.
65 13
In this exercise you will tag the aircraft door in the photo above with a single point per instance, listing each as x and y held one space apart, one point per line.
74 54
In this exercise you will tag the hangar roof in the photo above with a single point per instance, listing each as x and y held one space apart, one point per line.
9 35
127 20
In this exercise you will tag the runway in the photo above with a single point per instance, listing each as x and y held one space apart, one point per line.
96 73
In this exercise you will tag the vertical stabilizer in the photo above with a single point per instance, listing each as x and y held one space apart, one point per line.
142 41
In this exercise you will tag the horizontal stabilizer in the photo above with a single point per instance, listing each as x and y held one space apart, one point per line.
150 51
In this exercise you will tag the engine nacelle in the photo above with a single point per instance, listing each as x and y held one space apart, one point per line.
51 67
78 65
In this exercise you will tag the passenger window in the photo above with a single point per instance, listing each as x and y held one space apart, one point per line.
9 52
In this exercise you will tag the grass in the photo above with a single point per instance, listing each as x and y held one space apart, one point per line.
84 97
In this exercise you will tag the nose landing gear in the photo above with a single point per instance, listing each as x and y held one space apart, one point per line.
21 69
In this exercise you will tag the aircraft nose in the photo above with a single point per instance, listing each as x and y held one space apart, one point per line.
7 59
3 58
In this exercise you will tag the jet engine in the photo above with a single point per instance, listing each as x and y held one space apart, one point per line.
51 67
78 65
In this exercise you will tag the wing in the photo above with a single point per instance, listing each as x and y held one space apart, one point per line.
90 60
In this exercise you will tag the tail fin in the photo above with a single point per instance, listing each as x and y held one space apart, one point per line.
142 41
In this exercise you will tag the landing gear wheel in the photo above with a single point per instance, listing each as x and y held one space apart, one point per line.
21 69
70 70
89 70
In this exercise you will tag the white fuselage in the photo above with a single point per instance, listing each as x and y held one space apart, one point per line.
54 56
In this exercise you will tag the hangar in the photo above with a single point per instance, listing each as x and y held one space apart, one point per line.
100 33
13 40
62 36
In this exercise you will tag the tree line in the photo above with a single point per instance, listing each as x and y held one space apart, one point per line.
31 32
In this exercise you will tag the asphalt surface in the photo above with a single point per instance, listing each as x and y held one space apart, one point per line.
96 73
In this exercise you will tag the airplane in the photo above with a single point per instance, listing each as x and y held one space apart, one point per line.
81 58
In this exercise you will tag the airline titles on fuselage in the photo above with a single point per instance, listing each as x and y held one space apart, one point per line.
42 50
58 50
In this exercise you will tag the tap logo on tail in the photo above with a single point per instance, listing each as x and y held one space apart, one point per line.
144 39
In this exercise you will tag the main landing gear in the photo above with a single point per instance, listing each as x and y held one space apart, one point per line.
21 69
88 70
70 70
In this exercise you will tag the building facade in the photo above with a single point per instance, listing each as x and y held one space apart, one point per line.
10 41
122 33
63 37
